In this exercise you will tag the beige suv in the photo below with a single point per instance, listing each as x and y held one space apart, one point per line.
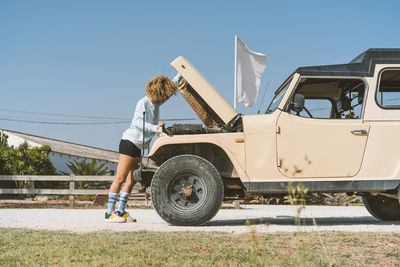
333 128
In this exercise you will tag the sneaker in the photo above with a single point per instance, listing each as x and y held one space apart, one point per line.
114 218
126 216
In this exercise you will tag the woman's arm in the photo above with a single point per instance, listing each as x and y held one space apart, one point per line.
138 119
177 78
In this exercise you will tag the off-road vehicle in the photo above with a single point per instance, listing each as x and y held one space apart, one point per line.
333 128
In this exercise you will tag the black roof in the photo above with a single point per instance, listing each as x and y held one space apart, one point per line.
363 65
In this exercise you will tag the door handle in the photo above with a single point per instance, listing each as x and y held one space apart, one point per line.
359 132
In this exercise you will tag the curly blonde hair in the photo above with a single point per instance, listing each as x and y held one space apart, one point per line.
160 89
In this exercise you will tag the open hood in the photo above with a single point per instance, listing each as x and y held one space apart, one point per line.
208 104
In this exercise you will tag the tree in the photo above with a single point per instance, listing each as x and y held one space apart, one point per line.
32 160
24 160
84 168
5 155
6 162
3 139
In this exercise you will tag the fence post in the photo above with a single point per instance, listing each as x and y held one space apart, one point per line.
31 186
72 188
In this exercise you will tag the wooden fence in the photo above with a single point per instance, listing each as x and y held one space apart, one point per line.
72 191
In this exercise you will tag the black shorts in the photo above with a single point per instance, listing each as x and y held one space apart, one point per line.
126 147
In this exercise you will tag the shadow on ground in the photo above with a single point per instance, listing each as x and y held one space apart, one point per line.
290 220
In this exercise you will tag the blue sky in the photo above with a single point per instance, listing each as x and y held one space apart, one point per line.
93 58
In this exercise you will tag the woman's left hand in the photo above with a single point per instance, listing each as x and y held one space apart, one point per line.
160 125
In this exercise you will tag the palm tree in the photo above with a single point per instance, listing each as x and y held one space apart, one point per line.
84 168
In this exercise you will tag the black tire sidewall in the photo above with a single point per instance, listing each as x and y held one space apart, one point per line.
184 164
379 210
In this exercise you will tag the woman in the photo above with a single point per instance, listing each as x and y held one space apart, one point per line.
158 90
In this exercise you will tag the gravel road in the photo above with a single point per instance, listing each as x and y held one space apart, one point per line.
265 218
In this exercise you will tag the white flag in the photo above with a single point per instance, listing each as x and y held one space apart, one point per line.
249 69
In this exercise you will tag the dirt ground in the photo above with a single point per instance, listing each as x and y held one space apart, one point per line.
274 218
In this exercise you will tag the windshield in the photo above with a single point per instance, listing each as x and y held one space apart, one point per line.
278 97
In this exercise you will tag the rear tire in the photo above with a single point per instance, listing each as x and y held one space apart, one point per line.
187 190
382 208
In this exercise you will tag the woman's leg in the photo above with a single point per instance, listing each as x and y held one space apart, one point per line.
127 188
129 183
125 166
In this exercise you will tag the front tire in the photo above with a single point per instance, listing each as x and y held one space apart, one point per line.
187 190
382 208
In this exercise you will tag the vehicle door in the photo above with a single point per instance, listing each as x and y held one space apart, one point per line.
320 132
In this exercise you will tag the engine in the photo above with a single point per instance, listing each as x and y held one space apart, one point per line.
180 129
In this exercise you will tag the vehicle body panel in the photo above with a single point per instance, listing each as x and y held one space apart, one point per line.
373 112
260 143
308 147
235 150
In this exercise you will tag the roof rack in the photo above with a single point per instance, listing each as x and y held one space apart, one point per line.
363 65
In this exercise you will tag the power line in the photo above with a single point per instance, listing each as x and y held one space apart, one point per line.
391 99
317 109
119 120
187 119
60 115
65 123
84 123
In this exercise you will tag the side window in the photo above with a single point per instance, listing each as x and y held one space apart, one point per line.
328 98
278 97
320 108
388 94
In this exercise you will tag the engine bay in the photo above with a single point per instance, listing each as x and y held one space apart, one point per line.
187 128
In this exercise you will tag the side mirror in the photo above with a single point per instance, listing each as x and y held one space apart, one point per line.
298 103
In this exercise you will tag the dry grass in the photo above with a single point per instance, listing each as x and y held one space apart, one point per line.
28 247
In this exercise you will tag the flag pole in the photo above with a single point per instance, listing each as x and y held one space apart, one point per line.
235 75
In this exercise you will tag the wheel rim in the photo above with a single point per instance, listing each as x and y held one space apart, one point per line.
187 191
